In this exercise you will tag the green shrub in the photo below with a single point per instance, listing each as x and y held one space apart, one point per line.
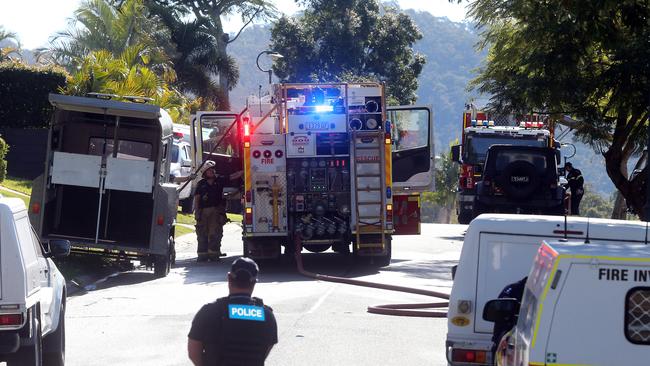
24 94
4 148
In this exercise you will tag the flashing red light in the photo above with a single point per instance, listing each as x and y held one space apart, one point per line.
178 134
247 130
11 319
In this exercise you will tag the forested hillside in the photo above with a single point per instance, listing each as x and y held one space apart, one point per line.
451 56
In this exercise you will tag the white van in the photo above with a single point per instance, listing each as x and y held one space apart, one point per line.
499 250
583 305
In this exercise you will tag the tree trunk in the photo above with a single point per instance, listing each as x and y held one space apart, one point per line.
224 103
619 212
633 191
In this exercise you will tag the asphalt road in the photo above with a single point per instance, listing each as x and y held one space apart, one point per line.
134 319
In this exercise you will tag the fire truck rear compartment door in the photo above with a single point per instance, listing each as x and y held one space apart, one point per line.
412 150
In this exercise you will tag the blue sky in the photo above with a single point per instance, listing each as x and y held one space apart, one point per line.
34 21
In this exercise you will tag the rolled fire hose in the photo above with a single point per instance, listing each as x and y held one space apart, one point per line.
389 309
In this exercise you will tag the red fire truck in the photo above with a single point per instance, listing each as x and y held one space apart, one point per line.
329 164
481 130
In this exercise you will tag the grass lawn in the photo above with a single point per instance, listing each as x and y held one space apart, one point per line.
18 184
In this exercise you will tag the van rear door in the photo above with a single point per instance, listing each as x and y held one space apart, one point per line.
606 307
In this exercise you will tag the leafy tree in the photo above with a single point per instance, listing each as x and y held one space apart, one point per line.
335 38
7 51
588 59
24 94
444 197
204 48
127 74
99 25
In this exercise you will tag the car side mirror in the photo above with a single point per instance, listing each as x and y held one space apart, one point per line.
455 153
499 310
186 163
59 248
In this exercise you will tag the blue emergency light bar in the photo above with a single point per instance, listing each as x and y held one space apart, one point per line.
324 108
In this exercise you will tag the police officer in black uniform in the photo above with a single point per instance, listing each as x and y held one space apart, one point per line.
576 185
237 330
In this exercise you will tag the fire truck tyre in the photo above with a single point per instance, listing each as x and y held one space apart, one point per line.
163 263
32 354
465 217
317 248
384 260
54 343
521 179
187 205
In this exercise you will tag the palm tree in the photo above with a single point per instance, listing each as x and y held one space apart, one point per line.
128 74
98 25
12 49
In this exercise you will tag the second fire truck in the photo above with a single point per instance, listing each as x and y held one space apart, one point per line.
482 130
328 164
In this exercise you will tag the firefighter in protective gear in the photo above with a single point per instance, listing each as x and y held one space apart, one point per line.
210 212
576 185
237 330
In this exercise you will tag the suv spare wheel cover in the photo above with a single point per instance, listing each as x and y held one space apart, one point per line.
521 179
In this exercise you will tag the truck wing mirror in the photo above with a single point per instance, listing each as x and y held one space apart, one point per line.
500 310
455 153
59 248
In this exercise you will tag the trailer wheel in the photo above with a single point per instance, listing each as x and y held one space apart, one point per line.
31 354
54 344
163 263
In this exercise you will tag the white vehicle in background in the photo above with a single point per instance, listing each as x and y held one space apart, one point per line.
584 304
32 292
498 250
181 167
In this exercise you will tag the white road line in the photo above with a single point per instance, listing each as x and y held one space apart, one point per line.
321 299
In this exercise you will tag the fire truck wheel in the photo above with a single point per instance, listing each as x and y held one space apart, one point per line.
317 248
384 260
465 217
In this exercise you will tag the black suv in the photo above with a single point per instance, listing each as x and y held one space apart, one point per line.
520 179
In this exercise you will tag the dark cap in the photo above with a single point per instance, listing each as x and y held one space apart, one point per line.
244 269
567 164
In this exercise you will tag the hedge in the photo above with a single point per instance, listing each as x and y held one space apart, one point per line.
24 94
4 148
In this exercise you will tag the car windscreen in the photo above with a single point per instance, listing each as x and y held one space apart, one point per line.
476 146
499 160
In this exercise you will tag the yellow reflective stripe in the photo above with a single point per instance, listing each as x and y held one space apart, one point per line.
541 300
247 170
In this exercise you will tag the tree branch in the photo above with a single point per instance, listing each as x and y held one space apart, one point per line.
244 26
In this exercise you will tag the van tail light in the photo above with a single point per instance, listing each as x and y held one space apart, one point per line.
470 356
248 216
11 320
36 208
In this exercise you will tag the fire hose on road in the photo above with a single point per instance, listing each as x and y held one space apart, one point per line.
389 309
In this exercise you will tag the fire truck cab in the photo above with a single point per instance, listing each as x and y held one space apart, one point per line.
482 130
326 164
